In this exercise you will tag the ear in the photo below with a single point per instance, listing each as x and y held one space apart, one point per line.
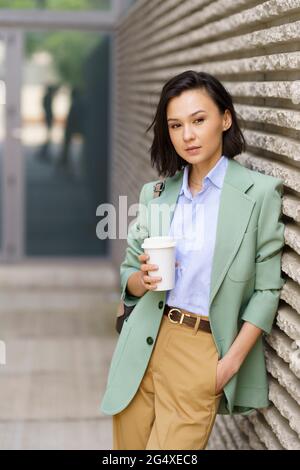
227 120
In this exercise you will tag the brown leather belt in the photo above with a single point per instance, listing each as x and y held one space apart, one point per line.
179 315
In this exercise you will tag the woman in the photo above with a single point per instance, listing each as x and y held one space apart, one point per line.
172 372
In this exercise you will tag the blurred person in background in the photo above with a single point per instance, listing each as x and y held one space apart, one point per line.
45 153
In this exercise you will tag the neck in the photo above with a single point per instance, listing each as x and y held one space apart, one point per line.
198 171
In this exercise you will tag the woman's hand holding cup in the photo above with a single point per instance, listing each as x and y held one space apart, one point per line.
148 282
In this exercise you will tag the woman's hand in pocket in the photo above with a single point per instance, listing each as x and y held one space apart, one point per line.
225 371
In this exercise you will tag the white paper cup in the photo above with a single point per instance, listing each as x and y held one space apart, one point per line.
161 251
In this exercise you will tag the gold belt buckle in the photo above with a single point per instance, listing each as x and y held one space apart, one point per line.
181 318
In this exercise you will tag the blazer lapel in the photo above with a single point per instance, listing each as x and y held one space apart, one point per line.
234 213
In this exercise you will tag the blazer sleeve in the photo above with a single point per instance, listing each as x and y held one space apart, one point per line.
262 306
137 232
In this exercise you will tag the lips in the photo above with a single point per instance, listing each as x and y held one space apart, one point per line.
192 148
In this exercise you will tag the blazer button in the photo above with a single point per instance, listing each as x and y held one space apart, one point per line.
161 304
149 340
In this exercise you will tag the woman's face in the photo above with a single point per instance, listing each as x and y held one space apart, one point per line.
194 120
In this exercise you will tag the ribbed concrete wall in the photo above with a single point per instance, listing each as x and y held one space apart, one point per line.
253 47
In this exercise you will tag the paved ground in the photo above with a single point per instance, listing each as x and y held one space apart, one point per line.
59 338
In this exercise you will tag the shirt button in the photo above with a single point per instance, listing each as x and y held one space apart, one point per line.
149 340
161 304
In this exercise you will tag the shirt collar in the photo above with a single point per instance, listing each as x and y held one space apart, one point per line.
215 175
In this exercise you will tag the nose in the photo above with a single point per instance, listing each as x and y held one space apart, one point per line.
188 133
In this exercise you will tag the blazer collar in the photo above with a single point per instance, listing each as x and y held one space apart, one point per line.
234 213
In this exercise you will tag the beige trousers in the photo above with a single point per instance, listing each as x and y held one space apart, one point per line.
175 406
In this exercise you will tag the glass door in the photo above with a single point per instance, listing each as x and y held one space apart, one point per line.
64 111
54 126
54 89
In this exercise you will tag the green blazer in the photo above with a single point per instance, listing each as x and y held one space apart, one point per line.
245 286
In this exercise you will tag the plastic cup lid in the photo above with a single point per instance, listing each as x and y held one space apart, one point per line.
159 242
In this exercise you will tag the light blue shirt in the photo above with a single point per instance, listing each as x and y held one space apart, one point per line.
194 226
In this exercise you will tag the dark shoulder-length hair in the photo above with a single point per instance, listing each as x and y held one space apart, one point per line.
163 154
